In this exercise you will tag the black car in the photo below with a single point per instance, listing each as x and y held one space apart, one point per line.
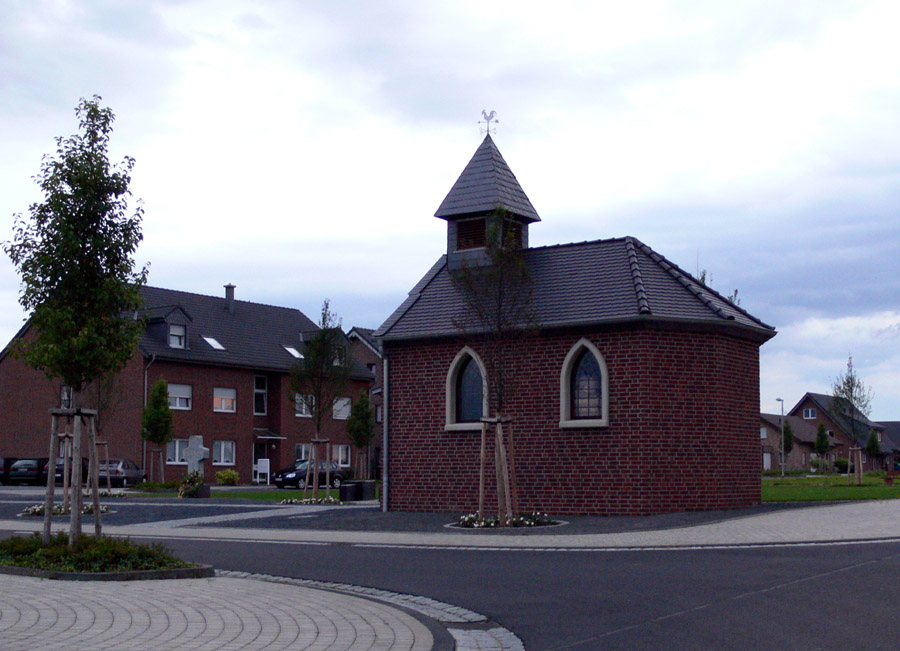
5 464
295 475
59 470
29 471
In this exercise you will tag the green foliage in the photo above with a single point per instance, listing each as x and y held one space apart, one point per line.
361 424
75 258
822 444
89 554
190 484
873 449
321 375
841 464
157 416
227 477
788 437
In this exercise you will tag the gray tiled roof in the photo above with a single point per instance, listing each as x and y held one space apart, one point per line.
803 430
891 434
485 184
254 335
367 335
577 284
824 402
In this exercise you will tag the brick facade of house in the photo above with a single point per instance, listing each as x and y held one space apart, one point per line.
683 428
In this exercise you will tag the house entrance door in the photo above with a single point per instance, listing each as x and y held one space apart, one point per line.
260 451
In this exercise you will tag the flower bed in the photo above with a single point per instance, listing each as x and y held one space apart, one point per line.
535 519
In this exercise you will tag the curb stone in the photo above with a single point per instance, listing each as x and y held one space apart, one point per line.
197 572
469 630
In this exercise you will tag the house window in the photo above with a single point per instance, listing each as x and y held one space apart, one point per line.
379 413
65 398
175 451
302 404
878 435
584 388
341 409
341 454
223 453
809 413
762 432
224 399
293 352
260 395
212 341
466 392
180 396
301 451
177 336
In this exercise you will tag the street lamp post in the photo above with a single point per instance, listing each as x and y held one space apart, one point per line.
782 435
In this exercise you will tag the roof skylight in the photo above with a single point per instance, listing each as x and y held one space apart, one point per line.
213 342
293 351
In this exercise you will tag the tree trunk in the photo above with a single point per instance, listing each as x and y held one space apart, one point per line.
75 515
513 483
93 470
51 479
328 455
506 515
481 473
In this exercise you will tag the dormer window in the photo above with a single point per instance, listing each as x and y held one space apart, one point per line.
177 336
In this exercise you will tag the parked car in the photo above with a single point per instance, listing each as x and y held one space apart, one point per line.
29 471
5 464
295 475
59 470
122 472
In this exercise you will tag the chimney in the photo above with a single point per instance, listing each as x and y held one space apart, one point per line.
229 298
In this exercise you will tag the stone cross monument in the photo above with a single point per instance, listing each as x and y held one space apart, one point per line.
195 454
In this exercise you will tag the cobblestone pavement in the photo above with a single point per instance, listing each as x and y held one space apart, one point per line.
224 612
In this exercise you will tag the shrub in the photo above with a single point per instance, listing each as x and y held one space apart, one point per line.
227 477
841 465
151 486
88 555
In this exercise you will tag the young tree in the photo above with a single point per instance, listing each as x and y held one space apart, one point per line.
873 448
821 445
156 421
75 257
499 310
319 378
361 428
788 439
851 403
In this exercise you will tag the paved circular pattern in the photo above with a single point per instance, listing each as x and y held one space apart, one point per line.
218 613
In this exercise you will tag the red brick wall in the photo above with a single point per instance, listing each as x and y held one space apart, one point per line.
683 428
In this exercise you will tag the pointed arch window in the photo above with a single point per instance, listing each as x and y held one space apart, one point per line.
584 388
467 400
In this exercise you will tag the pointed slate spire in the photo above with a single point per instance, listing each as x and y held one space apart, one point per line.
485 184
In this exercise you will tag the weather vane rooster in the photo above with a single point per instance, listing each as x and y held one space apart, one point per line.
488 118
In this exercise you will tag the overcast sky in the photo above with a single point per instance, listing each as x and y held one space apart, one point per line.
300 150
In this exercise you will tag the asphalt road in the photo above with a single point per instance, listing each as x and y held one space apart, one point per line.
763 597
810 597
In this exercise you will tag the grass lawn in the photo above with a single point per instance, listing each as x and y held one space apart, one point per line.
826 488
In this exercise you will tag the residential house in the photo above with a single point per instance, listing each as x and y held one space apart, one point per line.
227 365
802 455
815 408
891 434
638 395
367 351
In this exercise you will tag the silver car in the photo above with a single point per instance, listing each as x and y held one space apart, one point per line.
122 472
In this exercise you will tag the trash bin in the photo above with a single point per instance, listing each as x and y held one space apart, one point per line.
349 491
367 490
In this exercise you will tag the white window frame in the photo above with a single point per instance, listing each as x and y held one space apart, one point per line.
181 397
565 404
219 456
264 392
177 446
341 454
302 450
456 365
340 409
179 339
809 413
379 413
224 394
301 409
762 432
